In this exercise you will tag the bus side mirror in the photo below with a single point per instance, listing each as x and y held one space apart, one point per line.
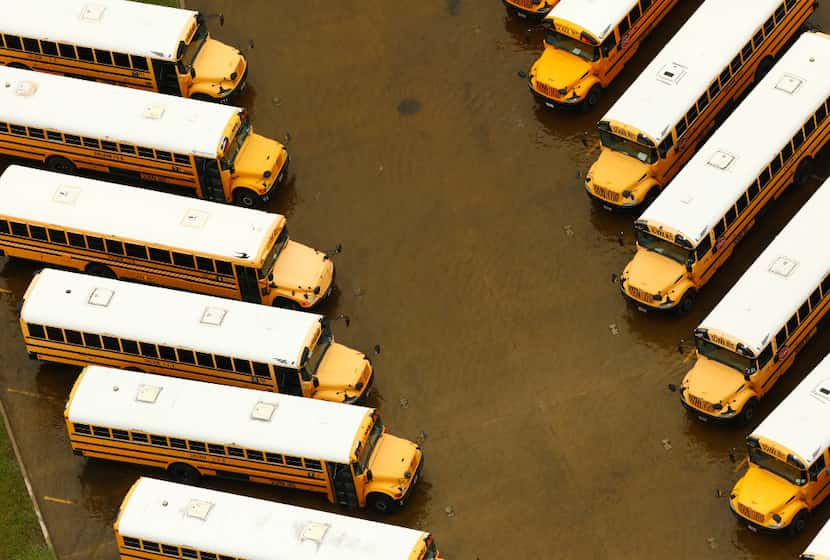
369 475
192 72
689 265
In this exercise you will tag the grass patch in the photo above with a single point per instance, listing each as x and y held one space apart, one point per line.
20 537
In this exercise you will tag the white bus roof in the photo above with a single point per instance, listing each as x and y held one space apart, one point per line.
801 423
135 214
112 113
597 17
113 25
780 280
219 414
256 529
156 315
736 154
703 47
820 545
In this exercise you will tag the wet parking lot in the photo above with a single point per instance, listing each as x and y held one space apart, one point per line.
473 258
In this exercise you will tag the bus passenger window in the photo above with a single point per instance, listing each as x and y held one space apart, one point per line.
103 57
803 311
742 203
769 25
36 132
714 89
186 356
255 455
85 54
55 334
180 259
224 268
121 59
781 338
73 337
95 243
13 42
736 64
57 236
809 127
763 178
792 325
765 356
703 247
775 166
115 247
815 298
724 76
634 15
111 343
139 62
19 229
167 353
38 232
798 139
4 226
223 362
608 45
205 360
36 331
159 255
646 4
108 146
205 264
817 467
129 346
241 366
821 112
731 214
66 51
779 13
758 39
92 340
73 140
752 192
126 149
624 27
135 251
720 229
148 350
76 240
746 52
787 152
54 136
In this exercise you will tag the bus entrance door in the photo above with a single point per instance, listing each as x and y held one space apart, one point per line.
210 179
343 483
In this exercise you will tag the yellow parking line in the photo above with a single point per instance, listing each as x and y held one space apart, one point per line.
5 291
58 500
741 465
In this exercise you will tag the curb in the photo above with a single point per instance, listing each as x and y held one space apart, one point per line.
25 474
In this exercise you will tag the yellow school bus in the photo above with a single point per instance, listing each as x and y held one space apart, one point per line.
77 319
686 92
193 429
529 9
587 43
159 519
751 338
132 44
138 234
690 231
138 136
788 476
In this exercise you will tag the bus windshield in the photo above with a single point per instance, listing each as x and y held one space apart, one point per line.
194 46
627 147
369 445
564 43
432 552
724 356
663 247
320 349
776 466
271 257
236 144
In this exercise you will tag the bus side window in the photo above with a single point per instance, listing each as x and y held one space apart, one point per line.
815 298
665 146
703 247
781 338
825 287
31 45
765 356
103 57
85 54
646 4
608 45
13 42
139 62
817 467
66 51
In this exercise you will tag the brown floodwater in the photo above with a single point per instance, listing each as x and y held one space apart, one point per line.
473 258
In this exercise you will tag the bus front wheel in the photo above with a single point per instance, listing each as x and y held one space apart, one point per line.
184 474
798 524
592 98
286 303
61 165
19 66
687 302
748 412
245 198
382 503
98 269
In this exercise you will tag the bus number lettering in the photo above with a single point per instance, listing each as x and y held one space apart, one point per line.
667 235
567 30
721 341
768 449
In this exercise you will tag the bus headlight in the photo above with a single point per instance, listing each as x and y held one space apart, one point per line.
627 194
776 518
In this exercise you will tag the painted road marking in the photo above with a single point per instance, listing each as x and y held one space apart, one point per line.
58 500
741 465
5 291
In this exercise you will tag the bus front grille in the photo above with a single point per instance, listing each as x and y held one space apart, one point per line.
750 513
607 194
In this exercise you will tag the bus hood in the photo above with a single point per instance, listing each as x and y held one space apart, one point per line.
762 491
302 268
216 62
712 381
652 272
344 374
559 69
616 171
258 156
392 459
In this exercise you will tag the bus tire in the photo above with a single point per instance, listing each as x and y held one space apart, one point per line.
806 167
246 198
183 473
286 303
650 197
798 524
61 165
102 270
764 67
593 97
748 411
381 503
202 97
687 302
19 66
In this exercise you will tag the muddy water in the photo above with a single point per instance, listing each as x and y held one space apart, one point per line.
473 258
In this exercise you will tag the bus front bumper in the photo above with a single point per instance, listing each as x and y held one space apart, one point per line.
756 527
646 307
705 416
536 15
415 478
279 181
611 206
551 103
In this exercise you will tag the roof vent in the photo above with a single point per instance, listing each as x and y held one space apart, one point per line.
314 532
789 84
100 297
66 195
92 12
154 111
194 219
721 160
822 390
199 509
25 88
147 393
263 411
783 266
213 316
671 73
